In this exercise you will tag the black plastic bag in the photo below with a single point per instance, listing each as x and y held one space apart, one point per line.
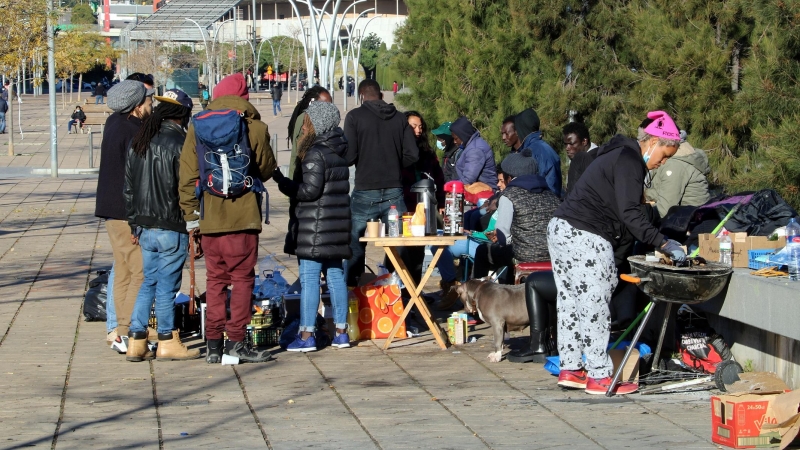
765 212
94 302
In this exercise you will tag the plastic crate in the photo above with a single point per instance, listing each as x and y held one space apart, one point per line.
262 336
753 254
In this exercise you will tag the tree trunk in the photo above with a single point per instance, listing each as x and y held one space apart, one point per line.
10 121
71 75
80 87
735 66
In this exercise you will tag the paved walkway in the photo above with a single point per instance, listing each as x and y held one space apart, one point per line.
61 387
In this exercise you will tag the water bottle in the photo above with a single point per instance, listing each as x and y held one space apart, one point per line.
793 247
394 222
257 286
725 249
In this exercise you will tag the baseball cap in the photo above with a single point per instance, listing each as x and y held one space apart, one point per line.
443 129
177 97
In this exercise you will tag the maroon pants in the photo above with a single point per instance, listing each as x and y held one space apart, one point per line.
230 259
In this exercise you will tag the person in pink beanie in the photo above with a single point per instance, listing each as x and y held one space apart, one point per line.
586 229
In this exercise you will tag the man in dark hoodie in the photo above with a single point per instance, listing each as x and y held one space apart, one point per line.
527 125
444 142
475 159
380 143
523 211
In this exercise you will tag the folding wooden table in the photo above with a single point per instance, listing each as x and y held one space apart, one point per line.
390 246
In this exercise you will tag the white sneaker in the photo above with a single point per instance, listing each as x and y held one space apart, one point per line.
120 344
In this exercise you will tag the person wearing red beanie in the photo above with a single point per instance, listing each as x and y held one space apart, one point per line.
231 85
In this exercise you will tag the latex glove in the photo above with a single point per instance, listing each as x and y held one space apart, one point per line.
674 250
192 225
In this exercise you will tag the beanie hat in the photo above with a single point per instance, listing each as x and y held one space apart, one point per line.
526 123
324 116
126 95
519 164
662 126
232 85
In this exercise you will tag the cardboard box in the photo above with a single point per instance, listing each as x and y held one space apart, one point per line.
742 244
747 420
631 371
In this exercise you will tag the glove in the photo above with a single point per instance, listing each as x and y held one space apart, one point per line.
674 250
277 175
192 225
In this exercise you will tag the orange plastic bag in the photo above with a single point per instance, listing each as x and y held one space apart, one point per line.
379 309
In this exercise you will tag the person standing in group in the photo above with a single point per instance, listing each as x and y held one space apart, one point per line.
445 143
580 150
508 133
323 212
3 111
380 143
277 93
229 227
582 237
314 94
99 93
131 102
157 225
475 159
527 126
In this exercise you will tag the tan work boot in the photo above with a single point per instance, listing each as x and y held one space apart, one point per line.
171 348
449 296
137 347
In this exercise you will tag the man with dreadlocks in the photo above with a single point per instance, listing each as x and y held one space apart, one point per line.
315 94
156 221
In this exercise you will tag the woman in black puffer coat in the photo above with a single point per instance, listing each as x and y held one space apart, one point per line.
323 220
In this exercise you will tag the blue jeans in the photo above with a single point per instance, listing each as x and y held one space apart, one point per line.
461 248
163 255
2 122
111 311
98 99
364 205
309 293
276 106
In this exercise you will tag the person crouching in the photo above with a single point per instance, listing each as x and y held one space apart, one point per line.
323 226
153 208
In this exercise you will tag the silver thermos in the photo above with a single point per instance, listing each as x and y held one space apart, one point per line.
426 195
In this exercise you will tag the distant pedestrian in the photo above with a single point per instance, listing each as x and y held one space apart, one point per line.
99 94
154 214
394 87
204 95
3 111
277 94
78 118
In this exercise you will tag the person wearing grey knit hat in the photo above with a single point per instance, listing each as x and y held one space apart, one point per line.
324 116
321 236
519 164
126 95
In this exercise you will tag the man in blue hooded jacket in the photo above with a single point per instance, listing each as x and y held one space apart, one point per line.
527 125
474 159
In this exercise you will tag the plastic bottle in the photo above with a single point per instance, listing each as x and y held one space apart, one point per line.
257 286
353 330
725 248
394 222
793 246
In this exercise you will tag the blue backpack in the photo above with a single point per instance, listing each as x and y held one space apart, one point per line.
223 154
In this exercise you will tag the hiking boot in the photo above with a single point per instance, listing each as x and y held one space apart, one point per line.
137 350
341 341
111 337
245 353
120 344
214 348
599 386
171 348
574 379
449 296
309 345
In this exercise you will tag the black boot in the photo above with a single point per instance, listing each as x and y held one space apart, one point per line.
214 351
245 353
540 290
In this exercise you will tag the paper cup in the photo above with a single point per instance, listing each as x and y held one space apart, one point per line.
373 229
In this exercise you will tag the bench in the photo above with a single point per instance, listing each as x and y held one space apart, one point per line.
95 114
258 96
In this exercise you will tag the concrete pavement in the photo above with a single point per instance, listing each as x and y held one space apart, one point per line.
61 387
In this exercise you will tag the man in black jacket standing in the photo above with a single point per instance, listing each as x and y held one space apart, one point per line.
379 143
132 103
152 206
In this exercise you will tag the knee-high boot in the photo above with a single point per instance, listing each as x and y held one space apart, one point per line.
540 289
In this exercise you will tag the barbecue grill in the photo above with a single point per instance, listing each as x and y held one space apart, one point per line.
670 284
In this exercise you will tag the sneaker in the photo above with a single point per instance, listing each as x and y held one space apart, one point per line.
299 345
574 379
599 386
214 351
245 353
120 344
472 320
341 341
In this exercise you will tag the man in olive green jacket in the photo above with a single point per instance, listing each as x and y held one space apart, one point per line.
229 227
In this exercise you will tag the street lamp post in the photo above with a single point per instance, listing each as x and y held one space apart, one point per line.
205 47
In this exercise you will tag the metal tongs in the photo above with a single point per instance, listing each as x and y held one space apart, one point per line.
688 262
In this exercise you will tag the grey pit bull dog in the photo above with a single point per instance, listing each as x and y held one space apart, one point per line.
501 306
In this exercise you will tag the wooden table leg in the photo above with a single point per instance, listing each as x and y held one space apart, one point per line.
413 290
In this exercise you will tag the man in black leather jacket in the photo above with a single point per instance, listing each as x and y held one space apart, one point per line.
157 225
